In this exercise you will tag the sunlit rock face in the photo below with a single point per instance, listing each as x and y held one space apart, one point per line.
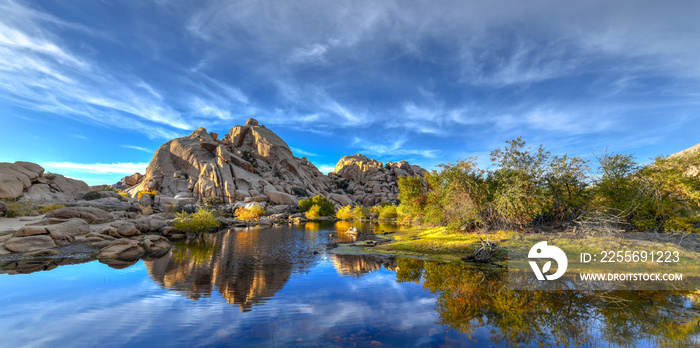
368 182
357 265
245 267
251 162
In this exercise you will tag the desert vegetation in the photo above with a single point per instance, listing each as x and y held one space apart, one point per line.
249 214
199 222
526 189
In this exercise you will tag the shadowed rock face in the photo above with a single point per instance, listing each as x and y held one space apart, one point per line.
250 162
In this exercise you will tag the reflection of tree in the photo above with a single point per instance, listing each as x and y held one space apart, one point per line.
245 267
469 299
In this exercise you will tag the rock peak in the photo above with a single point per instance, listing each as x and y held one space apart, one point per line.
252 122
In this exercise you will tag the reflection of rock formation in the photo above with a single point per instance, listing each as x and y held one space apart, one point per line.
357 265
246 267
37 265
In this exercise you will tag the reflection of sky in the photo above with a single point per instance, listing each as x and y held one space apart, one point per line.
91 304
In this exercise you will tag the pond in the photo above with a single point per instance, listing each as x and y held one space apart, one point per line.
281 287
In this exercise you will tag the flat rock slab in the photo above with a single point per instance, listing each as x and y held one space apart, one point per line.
30 243
91 215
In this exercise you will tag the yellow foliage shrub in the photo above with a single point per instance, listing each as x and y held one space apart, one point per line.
345 213
313 213
250 214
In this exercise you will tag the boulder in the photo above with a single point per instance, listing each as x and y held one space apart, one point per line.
32 167
31 231
126 229
73 227
40 192
146 200
353 230
3 208
341 199
108 203
29 243
165 203
90 214
156 245
19 172
122 249
280 197
10 186
70 187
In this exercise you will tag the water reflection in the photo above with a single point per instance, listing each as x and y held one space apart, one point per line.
245 266
357 265
293 293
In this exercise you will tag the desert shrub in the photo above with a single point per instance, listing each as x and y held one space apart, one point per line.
345 213
413 197
359 212
51 207
152 193
201 221
326 207
17 208
49 176
118 191
517 184
92 195
375 210
388 212
313 213
250 214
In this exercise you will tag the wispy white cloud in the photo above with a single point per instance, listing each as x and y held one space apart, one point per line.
140 148
298 151
396 148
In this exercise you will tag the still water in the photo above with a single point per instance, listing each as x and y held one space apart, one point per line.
280 287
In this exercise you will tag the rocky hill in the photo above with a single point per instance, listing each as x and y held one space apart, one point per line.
253 164
28 181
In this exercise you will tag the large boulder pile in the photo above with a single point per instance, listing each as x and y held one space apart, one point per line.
28 181
250 164
368 182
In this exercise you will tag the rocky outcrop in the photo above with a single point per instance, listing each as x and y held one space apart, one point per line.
251 161
28 181
367 181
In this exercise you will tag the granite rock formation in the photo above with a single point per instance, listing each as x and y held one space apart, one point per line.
251 163
368 182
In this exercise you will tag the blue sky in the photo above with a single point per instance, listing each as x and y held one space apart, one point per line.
92 88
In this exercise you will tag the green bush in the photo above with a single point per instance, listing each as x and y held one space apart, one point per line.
388 212
326 207
200 222
92 195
